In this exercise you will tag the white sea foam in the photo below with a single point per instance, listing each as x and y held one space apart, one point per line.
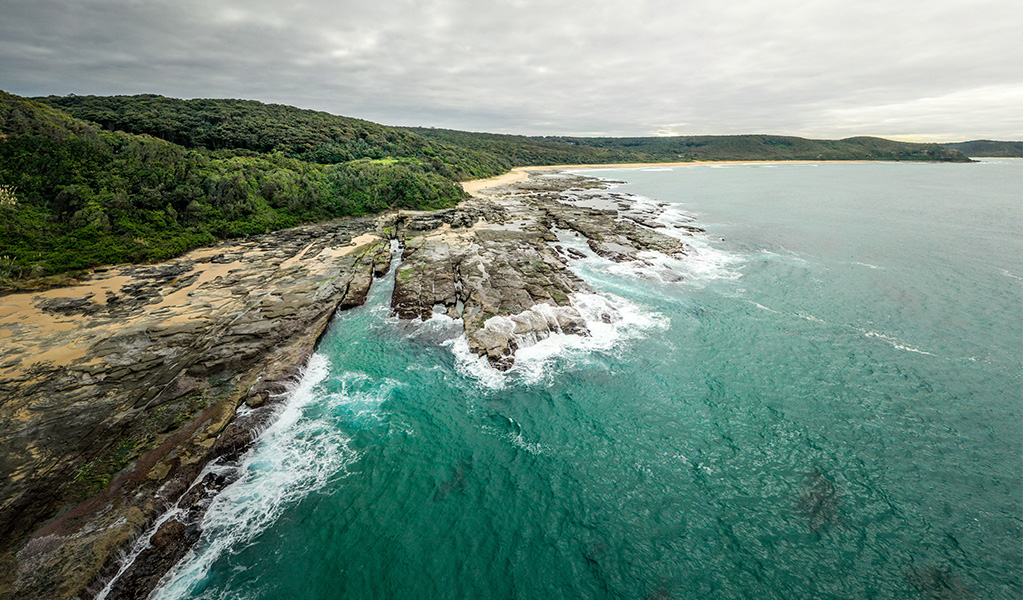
293 457
652 266
762 307
706 262
1010 275
518 441
609 319
141 545
663 213
473 366
894 342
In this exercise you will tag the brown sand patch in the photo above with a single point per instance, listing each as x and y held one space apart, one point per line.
61 355
294 259
362 240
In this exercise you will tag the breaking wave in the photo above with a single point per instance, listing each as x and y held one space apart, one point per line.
610 321
895 342
301 452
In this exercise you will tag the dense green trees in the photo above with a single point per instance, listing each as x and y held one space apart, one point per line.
522 150
87 180
75 197
989 148
306 135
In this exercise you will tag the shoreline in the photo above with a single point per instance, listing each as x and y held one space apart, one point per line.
517 174
260 339
178 346
170 538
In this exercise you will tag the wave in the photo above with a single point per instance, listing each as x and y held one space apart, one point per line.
784 255
1010 274
296 455
699 465
611 320
704 261
707 262
762 307
894 342
520 442
663 213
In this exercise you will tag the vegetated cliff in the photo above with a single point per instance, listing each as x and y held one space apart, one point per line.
324 138
307 135
988 148
88 181
576 150
75 196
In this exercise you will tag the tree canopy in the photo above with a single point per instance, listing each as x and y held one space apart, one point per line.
90 180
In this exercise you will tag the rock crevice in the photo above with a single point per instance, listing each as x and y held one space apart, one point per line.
502 277
115 393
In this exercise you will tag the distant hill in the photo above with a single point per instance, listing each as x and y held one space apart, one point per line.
324 138
306 135
989 148
525 150
92 180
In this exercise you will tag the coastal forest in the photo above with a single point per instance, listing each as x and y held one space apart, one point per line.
87 181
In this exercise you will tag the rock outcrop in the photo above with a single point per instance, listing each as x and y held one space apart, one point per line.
115 393
491 263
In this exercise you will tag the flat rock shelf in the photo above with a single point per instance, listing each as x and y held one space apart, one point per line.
116 393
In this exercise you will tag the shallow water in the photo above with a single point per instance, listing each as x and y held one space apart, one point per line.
826 405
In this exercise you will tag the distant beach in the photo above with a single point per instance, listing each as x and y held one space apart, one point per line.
521 173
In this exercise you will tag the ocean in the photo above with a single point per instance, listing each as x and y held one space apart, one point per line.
822 401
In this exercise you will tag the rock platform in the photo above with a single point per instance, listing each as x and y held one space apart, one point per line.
116 393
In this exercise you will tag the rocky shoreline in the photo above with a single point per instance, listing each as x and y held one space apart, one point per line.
498 267
116 393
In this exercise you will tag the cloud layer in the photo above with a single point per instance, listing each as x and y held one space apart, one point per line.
942 69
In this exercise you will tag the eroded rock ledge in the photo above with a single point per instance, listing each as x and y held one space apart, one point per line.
114 394
497 256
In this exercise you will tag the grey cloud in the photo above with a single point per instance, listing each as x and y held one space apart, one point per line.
944 68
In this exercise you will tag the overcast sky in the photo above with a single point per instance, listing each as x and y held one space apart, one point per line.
942 70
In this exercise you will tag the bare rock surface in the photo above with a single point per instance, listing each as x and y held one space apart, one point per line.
491 263
116 392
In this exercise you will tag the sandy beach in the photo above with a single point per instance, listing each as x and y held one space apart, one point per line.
521 173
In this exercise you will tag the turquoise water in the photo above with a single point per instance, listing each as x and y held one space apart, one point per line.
827 405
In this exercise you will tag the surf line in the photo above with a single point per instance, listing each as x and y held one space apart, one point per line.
183 519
